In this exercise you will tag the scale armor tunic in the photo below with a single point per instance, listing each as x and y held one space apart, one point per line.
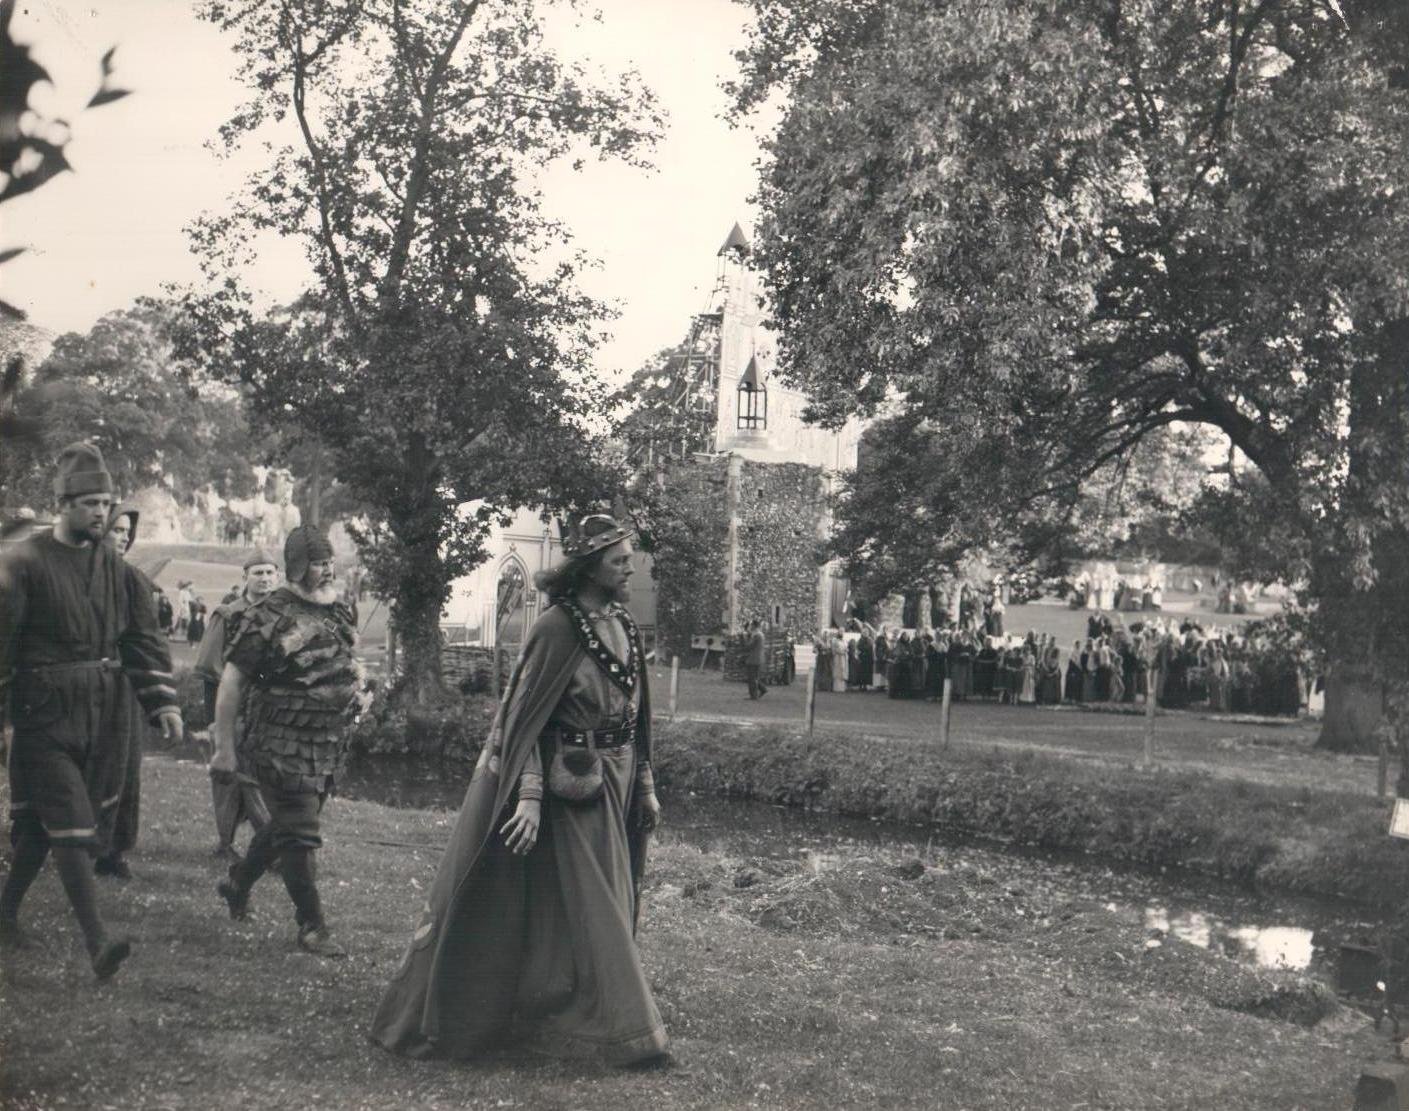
304 682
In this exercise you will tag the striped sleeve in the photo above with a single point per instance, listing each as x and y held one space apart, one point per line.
146 656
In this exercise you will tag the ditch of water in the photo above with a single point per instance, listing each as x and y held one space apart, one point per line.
1261 930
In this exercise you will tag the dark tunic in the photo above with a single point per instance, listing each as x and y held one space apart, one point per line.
538 946
304 678
985 671
1072 690
76 637
1049 683
866 660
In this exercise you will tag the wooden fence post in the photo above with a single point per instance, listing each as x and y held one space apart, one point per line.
1150 702
1384 766
674 684
944 714
809 705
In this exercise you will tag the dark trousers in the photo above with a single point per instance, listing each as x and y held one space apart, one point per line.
754 674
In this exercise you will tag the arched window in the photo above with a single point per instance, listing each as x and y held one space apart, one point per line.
753 398
511 603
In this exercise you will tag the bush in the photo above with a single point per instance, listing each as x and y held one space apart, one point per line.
1321 843
452 730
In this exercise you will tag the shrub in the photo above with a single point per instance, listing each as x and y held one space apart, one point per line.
452 730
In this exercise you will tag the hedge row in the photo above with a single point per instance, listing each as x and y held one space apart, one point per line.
1293 839
1328 844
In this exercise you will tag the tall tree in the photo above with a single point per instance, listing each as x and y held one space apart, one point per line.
123 386
440 356
1047 231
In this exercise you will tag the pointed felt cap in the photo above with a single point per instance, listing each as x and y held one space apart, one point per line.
735 242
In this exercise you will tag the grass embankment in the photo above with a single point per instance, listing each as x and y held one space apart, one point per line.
876 981
1294 839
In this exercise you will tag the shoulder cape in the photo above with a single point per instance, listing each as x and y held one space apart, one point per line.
465 948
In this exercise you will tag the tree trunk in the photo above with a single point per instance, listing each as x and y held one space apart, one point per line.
1354 710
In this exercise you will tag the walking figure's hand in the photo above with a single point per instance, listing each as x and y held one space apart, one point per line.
223 760
520 832
171 727
650 812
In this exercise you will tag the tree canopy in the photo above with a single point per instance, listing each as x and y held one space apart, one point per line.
442 352
1044 232
123 387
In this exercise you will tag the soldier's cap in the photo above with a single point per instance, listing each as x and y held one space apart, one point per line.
81 471
256 558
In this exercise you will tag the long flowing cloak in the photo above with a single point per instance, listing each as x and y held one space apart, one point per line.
118 834
456 990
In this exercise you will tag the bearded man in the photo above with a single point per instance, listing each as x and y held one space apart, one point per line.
236 798
529 929
291 667
72 634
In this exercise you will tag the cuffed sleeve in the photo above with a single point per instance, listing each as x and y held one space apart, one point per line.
530 785
144 651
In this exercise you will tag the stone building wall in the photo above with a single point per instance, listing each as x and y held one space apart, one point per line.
780 509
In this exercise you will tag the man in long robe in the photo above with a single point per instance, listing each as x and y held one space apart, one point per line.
528 931
71 633
117 826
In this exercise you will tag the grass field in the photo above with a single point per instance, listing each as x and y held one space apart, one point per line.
1263 750
867 980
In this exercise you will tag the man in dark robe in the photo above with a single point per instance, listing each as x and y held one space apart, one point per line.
236 799
292 670
71 634
528 931
865 657
117 827
755 656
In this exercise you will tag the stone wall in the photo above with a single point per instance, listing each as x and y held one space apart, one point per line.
780 506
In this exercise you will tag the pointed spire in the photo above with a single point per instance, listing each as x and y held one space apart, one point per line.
735 242
752 378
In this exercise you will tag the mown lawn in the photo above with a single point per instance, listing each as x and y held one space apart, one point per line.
864 980
1274 752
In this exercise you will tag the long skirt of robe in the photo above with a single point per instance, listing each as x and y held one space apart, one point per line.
983 676
961 671
1088 685
117 823
918 669
582 991
838 670
1072 689
1027 691
898 676
822 680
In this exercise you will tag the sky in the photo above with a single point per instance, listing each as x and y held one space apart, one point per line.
112 231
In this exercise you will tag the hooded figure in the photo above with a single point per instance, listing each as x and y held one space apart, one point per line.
117 825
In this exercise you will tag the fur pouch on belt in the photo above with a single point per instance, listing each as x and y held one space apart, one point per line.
575 774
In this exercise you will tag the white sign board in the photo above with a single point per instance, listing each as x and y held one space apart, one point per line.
1399 819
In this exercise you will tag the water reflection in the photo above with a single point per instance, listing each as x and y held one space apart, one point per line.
1278 946
1217 916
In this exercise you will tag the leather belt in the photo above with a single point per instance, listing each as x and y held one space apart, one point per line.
105 664
601 738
